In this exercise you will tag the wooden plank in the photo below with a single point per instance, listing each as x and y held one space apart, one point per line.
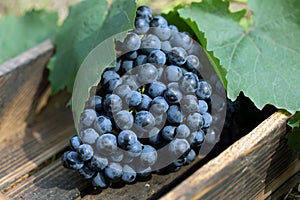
52 183
251 168
20 83
46 135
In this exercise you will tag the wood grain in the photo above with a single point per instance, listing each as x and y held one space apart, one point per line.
252 168
20 81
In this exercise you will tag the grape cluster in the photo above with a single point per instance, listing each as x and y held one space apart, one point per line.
153 99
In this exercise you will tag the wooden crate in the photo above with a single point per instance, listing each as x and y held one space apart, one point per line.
258 166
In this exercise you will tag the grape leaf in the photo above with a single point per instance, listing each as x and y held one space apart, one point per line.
262 61
97 51
293 135
18 34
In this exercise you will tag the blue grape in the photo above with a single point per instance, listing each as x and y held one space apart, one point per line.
116 156
192 62
122 91
124 120
204 90
173 168
162 33
156 89
160 118
126 138
177 56
131 81
182 131
189 83
113 171
179 147
88 117
145 103
132 42
159 105
97 163
144 12
118 65
85 152
181 39
135 149
102 125
147 73
128 158
195 121
172 73
157 57
132 55
108 75
112 103
189 104
141 26
173 93
207 118
148 156
134 99
144 120
86 172
166 46
129 174
159 21
203 107
168 133
95 102
196 138
179 162
174 115
173 28
73 160
100 181
106 144
149 43
143 171
190 157
75 142
127 65
141 59
112 84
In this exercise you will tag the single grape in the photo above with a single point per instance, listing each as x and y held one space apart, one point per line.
181 39
190 157
203 107
73 160
113 171
182 131
106 144
102 125
207 118
179 162
141 26
189 104
122 91
126 138
95 102
149 43
177 56
196 138
132 55
189 83
116 156
172 73
147 73
129 174
133 99
166 46
195 121
173 28
192 62
159 21
141 59
127 65
112 84
112 103
148 156
145 103
168 133
162 33
100 181
174 115
144 12
97 163
156 89
75 142
144 120
131 81
135 149
159 105
124 120
132 42
173 94
108 75
86 173
157 57
87 117
204 90
85 152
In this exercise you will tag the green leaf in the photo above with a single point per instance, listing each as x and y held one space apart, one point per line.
18 34
293 135
97 51
263 61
